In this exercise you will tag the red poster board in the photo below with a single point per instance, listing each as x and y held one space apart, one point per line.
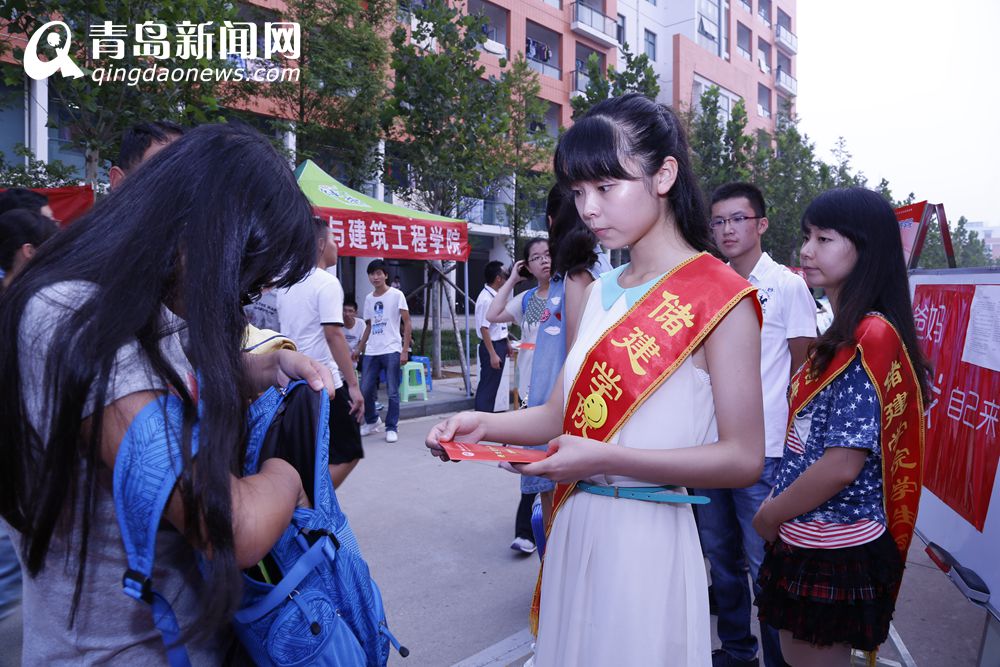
962 449
910 217
368 234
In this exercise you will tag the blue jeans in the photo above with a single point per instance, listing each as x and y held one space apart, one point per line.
730 543
369 383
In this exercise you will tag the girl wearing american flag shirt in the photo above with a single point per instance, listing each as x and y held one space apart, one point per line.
832 569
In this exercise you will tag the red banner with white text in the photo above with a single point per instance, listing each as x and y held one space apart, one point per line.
909 218
957 326
366 234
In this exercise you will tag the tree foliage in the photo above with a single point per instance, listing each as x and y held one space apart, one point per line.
636 77
444 116
337 105
970 250
94 114
784 165
527 146
32 173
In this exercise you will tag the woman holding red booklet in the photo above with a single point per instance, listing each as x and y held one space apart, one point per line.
660 391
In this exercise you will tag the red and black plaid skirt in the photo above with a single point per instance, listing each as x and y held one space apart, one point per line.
831 596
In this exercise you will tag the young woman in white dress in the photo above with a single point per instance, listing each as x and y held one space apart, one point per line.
624 580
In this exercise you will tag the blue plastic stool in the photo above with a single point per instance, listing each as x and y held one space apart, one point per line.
426 361
406 388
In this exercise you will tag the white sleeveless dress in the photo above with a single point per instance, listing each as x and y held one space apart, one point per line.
624 581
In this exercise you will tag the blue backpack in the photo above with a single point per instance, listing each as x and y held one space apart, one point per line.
312 600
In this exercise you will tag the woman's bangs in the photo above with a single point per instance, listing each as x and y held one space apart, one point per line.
590 151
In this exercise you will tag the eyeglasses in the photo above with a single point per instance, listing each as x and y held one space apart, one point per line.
538 258
736 220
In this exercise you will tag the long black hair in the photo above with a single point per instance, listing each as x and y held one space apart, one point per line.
571 241
208 222
634 129
878 281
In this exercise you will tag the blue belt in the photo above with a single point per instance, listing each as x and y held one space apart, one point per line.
652 494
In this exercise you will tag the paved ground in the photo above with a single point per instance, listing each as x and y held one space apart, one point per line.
436 536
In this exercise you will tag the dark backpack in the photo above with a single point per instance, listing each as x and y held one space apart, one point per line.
311 600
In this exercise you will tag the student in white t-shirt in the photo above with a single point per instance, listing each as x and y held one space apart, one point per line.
354 328
739 219
311 314
385 346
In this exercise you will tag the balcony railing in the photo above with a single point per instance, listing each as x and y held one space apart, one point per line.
593 23
787 82
494 43
544 68
743 52
580 81
788 40
764 112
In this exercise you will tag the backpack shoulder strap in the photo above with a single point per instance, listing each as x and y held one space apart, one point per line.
147 466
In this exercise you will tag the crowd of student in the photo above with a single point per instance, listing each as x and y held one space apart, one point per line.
690 409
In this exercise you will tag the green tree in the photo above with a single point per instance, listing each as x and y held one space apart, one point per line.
636 77
786 170
32 173
970 250
337 104
722 151
96 114
443 115
527 146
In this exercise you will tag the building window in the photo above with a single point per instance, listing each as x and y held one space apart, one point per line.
763 101
651 45
764 56
620 29
744 41
764 11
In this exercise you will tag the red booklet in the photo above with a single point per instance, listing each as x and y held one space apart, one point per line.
467 451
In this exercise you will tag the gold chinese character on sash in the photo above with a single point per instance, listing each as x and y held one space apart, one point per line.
899 462
591 411
672 315
895 408
903 488
793 390
897 434
893 377
641 347
904 514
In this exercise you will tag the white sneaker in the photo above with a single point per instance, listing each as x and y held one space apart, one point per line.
391 436
523 545
368 429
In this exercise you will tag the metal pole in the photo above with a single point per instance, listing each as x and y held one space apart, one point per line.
468 350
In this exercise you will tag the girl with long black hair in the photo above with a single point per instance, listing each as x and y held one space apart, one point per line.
661 390
139 297
845 499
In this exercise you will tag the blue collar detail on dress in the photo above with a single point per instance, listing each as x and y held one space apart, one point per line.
611 291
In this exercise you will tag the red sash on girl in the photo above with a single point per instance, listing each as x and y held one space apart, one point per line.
641 350
891 372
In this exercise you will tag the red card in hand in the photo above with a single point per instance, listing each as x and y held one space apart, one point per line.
467 451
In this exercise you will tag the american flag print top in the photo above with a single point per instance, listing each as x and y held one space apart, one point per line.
846 413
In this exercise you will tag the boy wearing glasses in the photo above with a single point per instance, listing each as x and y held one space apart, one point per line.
739 220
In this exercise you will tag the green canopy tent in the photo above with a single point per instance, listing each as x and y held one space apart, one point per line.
366 227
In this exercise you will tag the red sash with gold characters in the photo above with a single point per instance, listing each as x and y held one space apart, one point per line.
891 372
641 350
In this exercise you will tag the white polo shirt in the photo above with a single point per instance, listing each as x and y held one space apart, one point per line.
789 312
483 302
304 308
